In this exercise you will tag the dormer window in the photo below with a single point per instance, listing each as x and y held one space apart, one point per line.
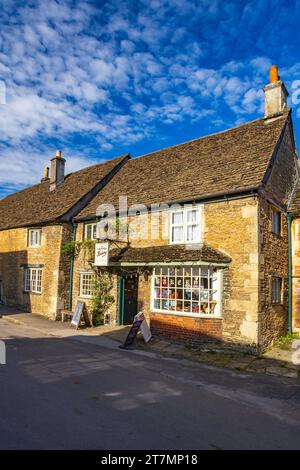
34 237
185 225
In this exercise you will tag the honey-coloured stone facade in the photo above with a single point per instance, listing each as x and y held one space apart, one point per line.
15 255
231 226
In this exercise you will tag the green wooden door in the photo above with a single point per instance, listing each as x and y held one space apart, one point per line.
130 298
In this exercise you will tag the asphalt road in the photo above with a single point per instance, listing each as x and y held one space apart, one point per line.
72 394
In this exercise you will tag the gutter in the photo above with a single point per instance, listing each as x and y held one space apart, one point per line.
250 191
74 229
289 219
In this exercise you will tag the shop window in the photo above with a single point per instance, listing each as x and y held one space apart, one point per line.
34 237
188 290
33 280
87 284
276 294
276 222
185 225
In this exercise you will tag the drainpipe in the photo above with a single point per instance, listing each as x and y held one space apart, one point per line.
289 219
74 228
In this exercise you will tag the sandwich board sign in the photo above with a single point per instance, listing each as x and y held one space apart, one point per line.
79 314
101 254
139 322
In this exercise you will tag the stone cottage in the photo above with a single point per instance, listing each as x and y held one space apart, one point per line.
34 225
217 266
196 234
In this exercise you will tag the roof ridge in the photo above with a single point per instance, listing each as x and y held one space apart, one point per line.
286 114
66 176
124 155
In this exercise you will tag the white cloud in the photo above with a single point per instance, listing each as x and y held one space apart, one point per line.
76 71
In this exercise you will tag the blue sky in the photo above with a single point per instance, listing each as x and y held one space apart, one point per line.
99 79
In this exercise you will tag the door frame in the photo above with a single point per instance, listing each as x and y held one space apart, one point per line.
121 284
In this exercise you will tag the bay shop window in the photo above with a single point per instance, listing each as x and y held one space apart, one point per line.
194 290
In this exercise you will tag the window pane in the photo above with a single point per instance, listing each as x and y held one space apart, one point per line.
192 233
39 280
192 216
94 231
276 290
177 234
27 280
88 233
177 217
276 222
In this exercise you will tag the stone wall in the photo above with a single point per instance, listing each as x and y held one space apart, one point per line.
232 227
273 249
273 263
14 253
296 274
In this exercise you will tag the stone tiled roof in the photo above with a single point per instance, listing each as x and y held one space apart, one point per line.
38 205
168 253
229 161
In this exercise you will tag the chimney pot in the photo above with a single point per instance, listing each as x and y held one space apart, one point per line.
58 153
274 77
46 175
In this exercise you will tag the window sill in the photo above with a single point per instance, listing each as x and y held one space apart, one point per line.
190 315
30 292
276 235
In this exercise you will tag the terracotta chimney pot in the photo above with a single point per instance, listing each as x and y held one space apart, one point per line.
274 77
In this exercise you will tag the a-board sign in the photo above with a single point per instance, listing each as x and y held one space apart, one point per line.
146 332
139 320
80 313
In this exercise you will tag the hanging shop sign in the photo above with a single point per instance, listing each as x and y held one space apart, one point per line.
101 254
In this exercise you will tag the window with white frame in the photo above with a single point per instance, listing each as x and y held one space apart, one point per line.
185 225
193 290
33 280
87 284
90 231
276 221
34 237
276 296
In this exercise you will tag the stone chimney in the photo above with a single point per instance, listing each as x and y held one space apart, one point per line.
275 94
46 175
57 170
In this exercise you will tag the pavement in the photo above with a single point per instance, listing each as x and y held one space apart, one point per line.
279 361
83 392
